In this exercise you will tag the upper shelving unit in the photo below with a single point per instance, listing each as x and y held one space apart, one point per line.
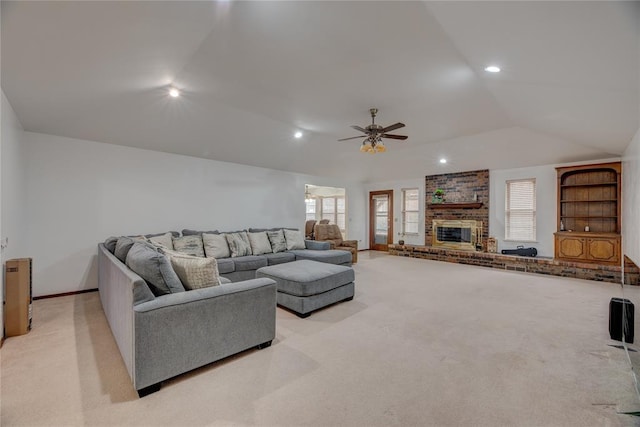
589 198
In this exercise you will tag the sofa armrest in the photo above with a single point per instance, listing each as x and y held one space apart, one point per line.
179 332
350 243
181 298
317 245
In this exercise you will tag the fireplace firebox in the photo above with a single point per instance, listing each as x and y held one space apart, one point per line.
457 234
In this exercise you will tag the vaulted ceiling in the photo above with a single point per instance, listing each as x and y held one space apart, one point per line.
252 73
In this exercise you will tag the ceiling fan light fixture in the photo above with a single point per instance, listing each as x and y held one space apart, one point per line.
366 146
174 92
374 134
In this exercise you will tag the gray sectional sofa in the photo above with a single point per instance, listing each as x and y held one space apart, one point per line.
161 334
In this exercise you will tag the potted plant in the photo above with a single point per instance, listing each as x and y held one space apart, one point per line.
438 196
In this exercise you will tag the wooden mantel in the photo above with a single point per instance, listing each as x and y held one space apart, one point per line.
462 205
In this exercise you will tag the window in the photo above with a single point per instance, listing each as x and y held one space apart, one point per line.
333 209
410 211
311 208
520 210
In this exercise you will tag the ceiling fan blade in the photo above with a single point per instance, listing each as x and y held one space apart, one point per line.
353 137
400 137
392 127
360 129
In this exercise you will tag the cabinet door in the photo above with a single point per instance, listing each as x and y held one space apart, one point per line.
603 250
571 247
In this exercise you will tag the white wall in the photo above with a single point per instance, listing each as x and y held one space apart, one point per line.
546 201
81 192
12 189
631 200
397 187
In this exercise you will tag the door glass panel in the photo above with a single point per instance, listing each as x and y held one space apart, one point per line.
381 218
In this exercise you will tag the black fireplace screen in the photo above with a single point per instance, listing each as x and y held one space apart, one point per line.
453 234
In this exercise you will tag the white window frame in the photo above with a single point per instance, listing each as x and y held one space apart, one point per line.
331 216
406 211
311 204
520 210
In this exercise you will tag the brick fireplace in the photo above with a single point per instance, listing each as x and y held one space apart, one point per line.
459 202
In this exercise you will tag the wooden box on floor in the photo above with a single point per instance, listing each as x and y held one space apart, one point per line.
17 309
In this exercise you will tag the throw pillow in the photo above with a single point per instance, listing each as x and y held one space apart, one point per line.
260 243
123 245
164 240
278 243
110 244
238 244
194 272
215 245
190 245
295 239
145 260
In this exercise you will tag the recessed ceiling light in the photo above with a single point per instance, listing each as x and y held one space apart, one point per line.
174 92
443 161
492 69
298 134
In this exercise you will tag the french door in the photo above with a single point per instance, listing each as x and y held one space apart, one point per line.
380 220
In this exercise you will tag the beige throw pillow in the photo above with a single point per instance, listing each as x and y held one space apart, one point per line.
215 245
194 272
295 239
165 240
238 244
190 245
260 243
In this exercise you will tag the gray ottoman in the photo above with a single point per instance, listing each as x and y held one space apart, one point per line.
305 286
331 256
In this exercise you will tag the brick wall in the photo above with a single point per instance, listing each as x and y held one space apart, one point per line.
458 187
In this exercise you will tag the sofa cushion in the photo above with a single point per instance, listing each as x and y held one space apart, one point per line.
238 244
257 230
278 243
194 272
188 232
110 244
224 280
146 260
163 240
190 245
279 258
173 233
215 245
249 262
123 245
226 265
259 243
295 239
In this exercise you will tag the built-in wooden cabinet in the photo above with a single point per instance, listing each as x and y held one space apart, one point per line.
589 219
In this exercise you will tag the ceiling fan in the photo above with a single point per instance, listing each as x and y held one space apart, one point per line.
374 133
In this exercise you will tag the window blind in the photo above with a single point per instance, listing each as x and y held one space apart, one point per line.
410 211
520 210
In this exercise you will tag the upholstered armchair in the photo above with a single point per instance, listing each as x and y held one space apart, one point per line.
331 233
308 229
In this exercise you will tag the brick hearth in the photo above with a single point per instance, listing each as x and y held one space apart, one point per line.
602 273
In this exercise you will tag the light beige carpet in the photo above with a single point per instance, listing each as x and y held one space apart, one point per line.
422 343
